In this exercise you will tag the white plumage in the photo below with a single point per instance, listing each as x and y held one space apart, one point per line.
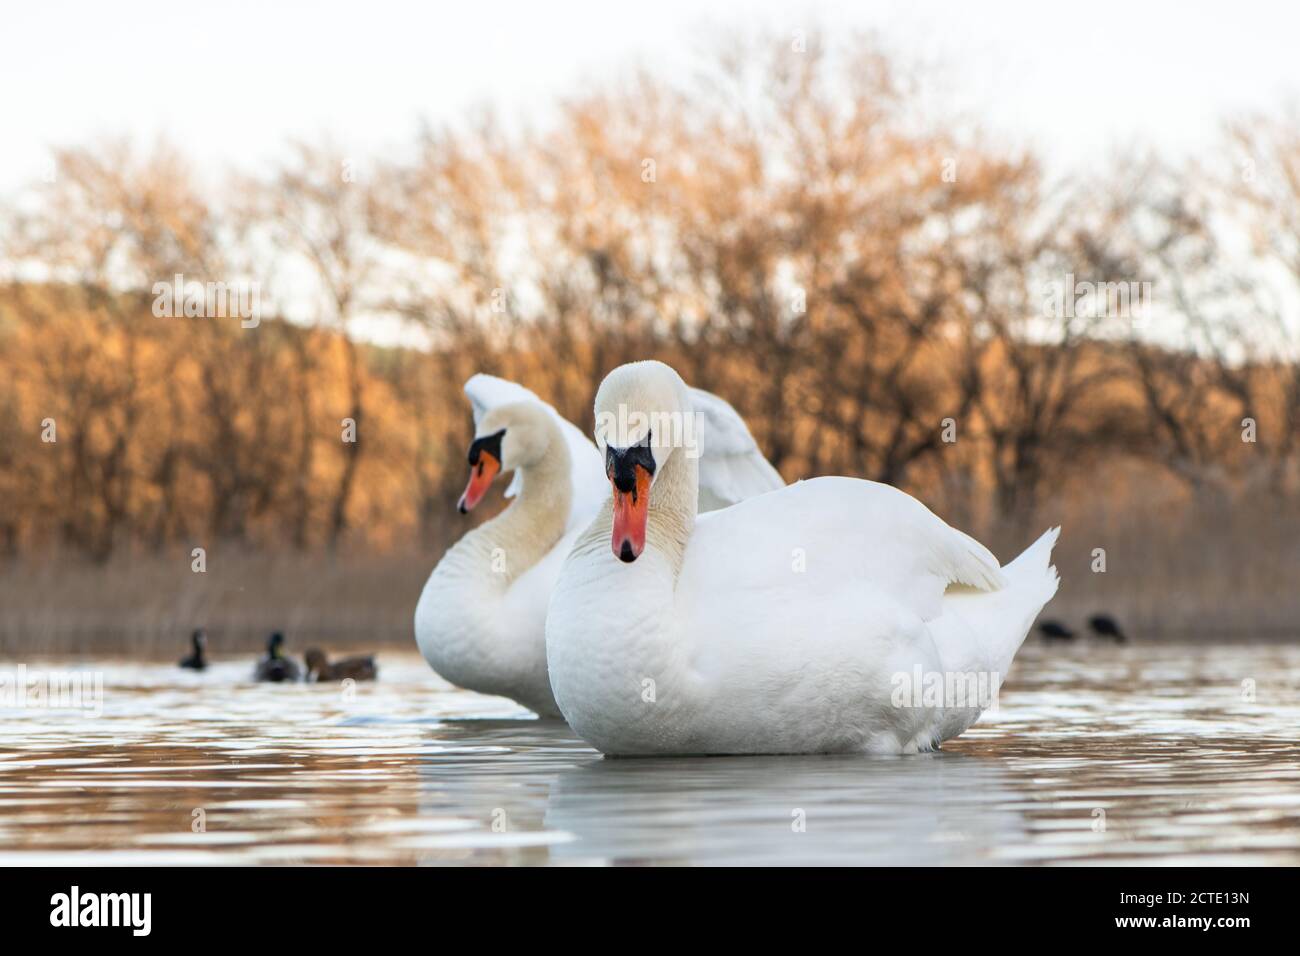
731 466
480 621
787 623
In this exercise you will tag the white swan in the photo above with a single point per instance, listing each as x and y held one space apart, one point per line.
815 618
480 621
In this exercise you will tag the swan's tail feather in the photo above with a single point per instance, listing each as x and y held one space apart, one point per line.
1033 561
1034 582
983 630
979 632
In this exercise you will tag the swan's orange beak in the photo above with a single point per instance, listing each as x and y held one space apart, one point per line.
481 474
631 509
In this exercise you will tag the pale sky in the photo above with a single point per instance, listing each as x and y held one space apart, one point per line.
228 82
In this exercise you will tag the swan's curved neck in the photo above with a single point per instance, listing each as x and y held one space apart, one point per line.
674 502
525 532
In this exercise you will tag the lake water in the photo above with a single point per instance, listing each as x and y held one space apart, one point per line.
1096 754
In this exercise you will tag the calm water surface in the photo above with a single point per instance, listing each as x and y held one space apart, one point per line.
1127 755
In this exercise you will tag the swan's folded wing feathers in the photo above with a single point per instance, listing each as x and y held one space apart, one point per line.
971 563
732 467
934 548
827 536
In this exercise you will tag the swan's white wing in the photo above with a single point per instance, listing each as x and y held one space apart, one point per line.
823 588
816 539
732 468
590 487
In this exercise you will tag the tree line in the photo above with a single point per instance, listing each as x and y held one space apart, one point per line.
877 295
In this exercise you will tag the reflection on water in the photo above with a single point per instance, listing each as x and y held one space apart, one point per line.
1131 755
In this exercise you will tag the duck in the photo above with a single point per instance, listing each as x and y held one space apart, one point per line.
480 622
197 660
1106 627
319 667
814 618
1055 631
274 666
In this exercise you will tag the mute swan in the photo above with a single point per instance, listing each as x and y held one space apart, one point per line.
811 619
481 618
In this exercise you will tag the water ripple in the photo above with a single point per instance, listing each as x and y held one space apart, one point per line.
1125 755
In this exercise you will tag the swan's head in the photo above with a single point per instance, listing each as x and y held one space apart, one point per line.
508 437
641 418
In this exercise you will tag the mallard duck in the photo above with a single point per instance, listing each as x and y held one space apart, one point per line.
275 667
320 669
197 660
